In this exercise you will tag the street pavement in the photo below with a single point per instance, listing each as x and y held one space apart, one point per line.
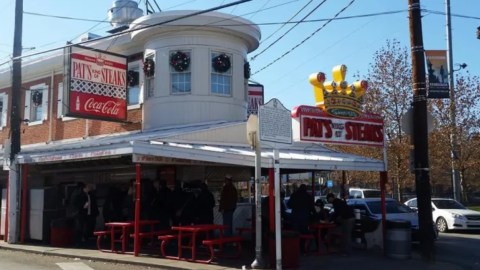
359 259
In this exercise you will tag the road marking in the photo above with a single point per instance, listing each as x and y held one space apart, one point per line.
74 266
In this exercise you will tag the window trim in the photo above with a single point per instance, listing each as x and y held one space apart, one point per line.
173 71
141 77
229 73
4 116
28 103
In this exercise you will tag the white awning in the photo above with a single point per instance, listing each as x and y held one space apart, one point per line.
168 146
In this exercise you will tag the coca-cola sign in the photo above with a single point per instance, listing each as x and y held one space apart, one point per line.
97 84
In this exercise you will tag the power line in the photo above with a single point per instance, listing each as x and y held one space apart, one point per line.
284 24
230 24
133 30
307 38
291 28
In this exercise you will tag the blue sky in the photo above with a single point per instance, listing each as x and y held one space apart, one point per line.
348 41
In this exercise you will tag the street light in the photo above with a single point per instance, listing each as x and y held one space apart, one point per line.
478 32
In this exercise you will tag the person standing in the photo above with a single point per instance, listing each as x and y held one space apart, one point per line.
302 207
162 204
228 203
345 219
205 203
77 210
92 212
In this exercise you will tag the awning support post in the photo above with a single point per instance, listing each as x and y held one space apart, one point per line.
138 191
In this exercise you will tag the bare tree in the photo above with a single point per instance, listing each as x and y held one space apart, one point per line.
467 128
390 95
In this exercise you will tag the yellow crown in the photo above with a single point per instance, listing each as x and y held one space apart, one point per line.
336 97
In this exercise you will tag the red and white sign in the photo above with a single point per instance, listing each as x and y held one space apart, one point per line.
97 86
254 98
312 124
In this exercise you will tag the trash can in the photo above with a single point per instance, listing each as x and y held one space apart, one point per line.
290 250
398 239
61 232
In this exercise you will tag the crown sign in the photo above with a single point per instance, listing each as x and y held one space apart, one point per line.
336 97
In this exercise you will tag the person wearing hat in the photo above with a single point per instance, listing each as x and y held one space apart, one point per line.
228 203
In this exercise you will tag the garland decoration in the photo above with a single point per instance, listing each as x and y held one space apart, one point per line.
246 70
149 67
221 63
37 97
179 61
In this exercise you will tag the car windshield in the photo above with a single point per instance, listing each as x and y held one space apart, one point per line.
372 193
392 207
447 204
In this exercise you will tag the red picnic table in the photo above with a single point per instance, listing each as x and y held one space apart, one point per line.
319 228
123 229
191 232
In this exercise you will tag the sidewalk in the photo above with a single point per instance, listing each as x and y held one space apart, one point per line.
358 260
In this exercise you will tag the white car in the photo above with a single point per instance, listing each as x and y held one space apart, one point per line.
371 208
449 214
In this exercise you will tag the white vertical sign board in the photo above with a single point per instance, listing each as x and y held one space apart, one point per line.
275 125
275 122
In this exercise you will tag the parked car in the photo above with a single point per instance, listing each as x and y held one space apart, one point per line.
371 208
354 193
448 214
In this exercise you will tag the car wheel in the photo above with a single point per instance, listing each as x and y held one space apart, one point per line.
442 225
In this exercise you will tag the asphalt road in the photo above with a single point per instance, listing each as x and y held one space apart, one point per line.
18 260
461 249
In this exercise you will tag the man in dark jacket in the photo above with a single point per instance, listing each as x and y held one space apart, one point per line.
228 203
205 203
343 216
303 207
77 210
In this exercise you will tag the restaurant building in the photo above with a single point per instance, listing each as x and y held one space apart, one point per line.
185 119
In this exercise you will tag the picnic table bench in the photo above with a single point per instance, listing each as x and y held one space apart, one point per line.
211 243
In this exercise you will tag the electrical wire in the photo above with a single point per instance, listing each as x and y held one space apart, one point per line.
288 31
284 24
133 30
304 40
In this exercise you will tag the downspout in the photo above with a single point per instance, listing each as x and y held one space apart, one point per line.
6 210
50 109
23 216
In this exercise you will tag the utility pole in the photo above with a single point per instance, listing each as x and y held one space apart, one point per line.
16 81
420 132
14 173
456 188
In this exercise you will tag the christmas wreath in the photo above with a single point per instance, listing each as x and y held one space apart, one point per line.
132 78
246 70
149 67
37 97
179 61
221 63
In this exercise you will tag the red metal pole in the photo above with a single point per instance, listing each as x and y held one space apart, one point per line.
23 218
6 214
138 191
271 201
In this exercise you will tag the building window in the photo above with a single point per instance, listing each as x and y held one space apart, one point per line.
36 101
221 76
149 73
180 75
133 90
3 110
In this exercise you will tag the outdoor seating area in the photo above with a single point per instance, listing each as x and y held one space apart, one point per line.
201 243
